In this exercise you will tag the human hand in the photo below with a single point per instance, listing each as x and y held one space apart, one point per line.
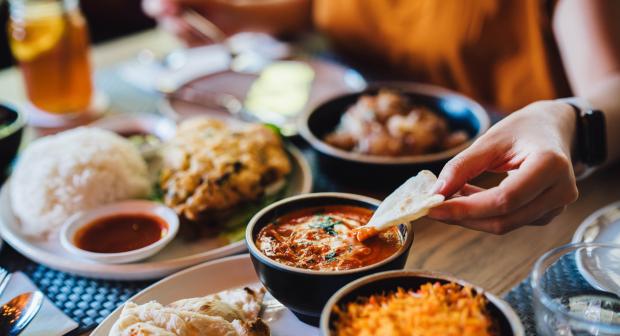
168 16
534 146
272 17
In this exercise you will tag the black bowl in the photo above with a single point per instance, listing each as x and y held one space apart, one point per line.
12 125
303 291
507 321
461 112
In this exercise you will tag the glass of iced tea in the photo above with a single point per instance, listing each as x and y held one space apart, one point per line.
49 39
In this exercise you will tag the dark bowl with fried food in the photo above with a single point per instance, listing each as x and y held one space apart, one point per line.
305 291
12 123
337 318
385 138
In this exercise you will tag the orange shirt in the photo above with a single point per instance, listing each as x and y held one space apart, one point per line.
498 52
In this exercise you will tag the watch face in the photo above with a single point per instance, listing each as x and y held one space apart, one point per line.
593 142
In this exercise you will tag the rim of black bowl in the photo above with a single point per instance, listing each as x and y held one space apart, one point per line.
426 89
502 306
249 237
15 125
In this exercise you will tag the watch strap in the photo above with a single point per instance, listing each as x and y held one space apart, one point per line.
591 140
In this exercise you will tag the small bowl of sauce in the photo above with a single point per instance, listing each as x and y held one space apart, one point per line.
121 232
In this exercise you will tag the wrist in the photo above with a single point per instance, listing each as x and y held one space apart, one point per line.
566 120
589 147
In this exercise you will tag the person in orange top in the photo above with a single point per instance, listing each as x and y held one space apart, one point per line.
516 56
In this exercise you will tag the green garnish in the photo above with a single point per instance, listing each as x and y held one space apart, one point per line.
233 228
325 223
331 256
157 193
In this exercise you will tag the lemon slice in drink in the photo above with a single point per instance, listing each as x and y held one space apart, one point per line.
35 36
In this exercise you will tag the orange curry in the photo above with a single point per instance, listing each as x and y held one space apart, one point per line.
323 238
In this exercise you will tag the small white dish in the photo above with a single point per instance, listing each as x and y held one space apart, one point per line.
602 226
80 220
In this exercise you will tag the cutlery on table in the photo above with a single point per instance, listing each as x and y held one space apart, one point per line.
240 60
4 279
16 314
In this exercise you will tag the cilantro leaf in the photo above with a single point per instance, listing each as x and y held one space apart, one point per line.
326 223
331 256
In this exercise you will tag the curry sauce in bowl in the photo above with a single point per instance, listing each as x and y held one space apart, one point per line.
322 238
303 248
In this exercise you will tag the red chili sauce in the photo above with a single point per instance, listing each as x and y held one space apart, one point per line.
120 233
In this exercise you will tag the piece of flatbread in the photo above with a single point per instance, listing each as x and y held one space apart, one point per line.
227 313
412 200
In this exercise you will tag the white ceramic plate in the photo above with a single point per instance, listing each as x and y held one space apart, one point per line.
212 277
602 226
177 255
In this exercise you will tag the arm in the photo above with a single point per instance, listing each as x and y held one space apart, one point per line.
588 34
534 144
273 17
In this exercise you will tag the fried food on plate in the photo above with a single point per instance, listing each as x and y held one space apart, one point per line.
386 124
227 313
211 166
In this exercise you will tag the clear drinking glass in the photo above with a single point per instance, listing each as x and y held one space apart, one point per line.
49 39
576 290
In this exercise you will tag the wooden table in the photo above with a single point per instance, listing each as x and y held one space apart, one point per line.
496 263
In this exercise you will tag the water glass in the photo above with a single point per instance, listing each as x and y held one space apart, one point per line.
575 290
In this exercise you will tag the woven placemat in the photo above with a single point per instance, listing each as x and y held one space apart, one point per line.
86 301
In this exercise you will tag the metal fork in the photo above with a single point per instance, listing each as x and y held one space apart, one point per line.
4 279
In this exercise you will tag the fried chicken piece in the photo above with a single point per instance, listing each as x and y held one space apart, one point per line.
387 125
422 130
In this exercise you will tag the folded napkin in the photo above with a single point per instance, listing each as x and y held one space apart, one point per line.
50 321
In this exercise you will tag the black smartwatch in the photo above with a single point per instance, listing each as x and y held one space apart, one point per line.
591 142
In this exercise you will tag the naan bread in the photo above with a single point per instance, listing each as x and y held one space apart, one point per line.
236 304
409 202
227 313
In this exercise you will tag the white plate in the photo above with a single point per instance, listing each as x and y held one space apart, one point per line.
602 226
212 277
177 255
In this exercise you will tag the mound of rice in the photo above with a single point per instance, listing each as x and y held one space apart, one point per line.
59 175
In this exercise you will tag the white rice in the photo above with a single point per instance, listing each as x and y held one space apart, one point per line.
60 175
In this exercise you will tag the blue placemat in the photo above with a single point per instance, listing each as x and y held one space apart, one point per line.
86 301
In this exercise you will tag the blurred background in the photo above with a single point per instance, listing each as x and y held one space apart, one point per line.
106 20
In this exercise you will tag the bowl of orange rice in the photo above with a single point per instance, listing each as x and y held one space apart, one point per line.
417 303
